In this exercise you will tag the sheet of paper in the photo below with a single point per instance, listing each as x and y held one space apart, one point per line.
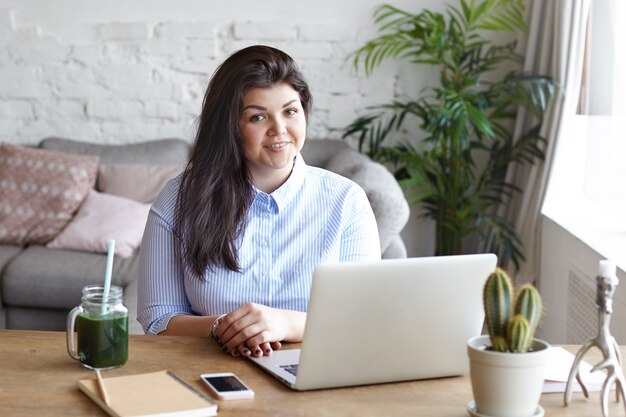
558 368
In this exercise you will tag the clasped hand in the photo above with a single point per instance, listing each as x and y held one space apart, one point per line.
255 329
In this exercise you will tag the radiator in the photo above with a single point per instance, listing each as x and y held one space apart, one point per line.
582 316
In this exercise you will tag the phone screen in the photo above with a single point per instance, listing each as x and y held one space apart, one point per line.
225 383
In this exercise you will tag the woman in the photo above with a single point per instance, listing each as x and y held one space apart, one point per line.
230 245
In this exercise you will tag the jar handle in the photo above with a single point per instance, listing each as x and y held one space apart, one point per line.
71 321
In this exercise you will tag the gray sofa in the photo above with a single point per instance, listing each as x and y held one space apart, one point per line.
38 285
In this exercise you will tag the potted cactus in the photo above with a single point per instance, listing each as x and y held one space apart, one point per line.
507 366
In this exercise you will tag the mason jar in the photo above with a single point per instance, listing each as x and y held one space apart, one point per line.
101 325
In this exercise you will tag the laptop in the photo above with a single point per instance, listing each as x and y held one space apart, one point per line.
386 321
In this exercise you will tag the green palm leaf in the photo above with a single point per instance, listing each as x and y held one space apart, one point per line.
458 173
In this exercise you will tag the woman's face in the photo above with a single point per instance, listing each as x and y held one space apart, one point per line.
273 126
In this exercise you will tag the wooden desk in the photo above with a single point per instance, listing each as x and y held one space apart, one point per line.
38 378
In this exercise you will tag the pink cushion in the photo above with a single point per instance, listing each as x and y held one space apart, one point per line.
103 217
142 183
40 191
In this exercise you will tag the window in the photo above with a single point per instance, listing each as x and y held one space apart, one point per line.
603 104
587 189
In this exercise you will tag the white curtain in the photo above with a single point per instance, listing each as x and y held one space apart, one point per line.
556 45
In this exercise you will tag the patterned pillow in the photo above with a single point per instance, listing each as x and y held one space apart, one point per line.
40 191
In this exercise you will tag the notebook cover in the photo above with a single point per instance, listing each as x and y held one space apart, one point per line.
149 394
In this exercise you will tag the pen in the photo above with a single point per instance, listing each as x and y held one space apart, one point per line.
103 390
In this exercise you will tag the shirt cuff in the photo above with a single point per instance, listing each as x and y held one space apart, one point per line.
161 324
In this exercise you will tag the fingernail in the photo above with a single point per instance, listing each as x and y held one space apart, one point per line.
246 351
224 348
258 352
268 350
235 352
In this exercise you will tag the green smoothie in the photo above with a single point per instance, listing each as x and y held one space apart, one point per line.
102 343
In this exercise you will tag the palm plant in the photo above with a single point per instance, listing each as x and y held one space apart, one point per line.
458 170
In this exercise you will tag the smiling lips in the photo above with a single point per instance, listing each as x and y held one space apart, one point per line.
278 145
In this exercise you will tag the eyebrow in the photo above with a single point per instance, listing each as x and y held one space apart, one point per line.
254 106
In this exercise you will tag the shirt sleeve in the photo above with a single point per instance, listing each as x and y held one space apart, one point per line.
161 289
359 239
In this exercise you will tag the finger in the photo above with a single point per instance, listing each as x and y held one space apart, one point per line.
233 327
243 350
251 336
260 338
227 321
266 348
228 351
256 351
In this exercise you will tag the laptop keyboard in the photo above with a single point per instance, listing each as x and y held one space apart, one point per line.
292 369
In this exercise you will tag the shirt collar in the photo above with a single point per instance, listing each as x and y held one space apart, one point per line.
286 192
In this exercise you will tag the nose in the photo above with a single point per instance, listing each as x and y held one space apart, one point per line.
278 127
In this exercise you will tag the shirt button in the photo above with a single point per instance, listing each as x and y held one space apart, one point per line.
263 274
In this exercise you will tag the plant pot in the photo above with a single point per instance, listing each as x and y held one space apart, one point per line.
506 384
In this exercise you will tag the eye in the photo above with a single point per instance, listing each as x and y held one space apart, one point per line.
291 112
257 118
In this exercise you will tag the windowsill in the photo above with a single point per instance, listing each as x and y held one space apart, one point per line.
584 196
599 230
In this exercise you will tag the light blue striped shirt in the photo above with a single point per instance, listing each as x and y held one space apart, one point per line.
315 217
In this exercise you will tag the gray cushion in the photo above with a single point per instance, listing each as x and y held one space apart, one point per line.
383 192
396 249
31 319
347 162
7 252
157 152
317 152
53 278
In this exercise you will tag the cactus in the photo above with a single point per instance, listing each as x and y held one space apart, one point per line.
520 335
497 299
511 322
528 303
499 344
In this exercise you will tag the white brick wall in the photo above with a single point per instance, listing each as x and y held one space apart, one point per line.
124 72
123 31
186 30
263 31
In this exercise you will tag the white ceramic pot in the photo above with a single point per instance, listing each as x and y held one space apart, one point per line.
506 384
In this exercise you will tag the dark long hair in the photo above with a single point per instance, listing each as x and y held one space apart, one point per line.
215 191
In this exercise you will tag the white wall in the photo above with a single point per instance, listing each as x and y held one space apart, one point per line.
126 71
582 223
